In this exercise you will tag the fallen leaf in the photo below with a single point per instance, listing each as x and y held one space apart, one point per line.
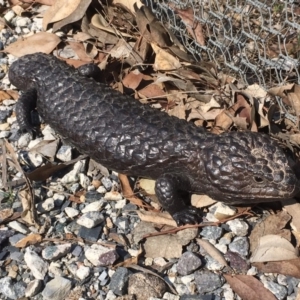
133 79
60 10
212 251
148 185
5 214
40 42
76 15
201 200
285 267
46 148
193 26
273 248
151 91
164 61
292 207
129 4
273 224
31 239
156 217
248 287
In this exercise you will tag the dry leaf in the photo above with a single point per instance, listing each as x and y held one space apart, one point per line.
148 185
151 91
273 248
293 209
76 15
212 251
274 224
248 287
133 79
5 214
46 148
129 4
60 10
288 267
158 218
40 42
31 239
192 25
164 61
201 200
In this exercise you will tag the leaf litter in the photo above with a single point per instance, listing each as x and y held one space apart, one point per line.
126 39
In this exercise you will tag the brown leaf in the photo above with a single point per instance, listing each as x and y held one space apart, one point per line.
129 4
31 239
151 91
222 122
163 60
192 25
273 224
76 15
272 247
133 79
59 11
158 218
128 192
212 251
5 214
80 51
292 207
285 267
40 42
248 287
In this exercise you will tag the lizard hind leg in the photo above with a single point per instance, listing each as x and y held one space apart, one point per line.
170 189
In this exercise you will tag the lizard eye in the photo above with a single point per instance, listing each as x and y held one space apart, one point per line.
258 179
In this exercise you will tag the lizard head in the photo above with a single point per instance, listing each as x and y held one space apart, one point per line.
249 168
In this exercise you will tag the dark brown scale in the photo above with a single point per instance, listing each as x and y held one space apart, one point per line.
135 139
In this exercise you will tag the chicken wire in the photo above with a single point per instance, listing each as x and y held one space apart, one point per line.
253 40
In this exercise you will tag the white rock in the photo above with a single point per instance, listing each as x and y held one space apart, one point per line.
4 134
64 153
22 22
49 133
33 288
84 181
11 120
18 227
120 204
94 206
71 212
83 272
55 252
57 289
48 204
238 227
90 219
94 252
8 102
35 158
101 189
36 264
9 15
114 196
24 140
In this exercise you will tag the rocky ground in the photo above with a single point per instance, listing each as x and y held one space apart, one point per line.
81 239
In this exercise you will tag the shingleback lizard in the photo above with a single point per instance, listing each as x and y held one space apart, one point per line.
135 139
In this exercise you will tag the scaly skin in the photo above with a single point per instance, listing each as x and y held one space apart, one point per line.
135 139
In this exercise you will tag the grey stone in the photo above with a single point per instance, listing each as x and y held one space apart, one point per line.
90 219
119 281
207 281
7 288
56 252
5 234
57 289
211 232
279 291
64 153
36 264
240 245
238 227
33 288
90 234
108 258
106 183
188 263
15 238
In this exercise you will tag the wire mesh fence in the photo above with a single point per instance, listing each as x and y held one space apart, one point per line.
255 41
